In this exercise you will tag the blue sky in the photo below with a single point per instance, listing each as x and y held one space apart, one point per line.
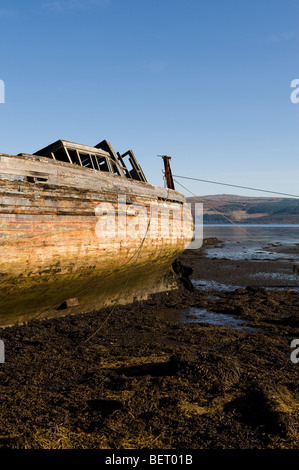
207 82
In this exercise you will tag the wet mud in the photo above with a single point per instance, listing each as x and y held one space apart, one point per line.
144 376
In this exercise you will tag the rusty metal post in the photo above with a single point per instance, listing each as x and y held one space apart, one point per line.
168 173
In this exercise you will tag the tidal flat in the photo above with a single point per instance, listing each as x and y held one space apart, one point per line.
157 374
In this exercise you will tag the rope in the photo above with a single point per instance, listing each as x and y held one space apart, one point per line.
295 267
124 286
128 278
236 186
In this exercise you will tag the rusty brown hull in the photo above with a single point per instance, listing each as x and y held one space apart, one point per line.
51 249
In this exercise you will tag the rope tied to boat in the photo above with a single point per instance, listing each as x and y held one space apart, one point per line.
138 251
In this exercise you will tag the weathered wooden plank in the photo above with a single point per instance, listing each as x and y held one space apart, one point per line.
64 174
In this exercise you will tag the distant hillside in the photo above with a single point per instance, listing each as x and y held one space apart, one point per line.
250 210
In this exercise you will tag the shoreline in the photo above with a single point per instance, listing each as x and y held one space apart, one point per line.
257 271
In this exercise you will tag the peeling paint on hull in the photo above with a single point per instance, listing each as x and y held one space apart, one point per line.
49 248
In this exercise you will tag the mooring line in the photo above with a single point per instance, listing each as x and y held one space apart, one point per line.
236 186
124 286
128 278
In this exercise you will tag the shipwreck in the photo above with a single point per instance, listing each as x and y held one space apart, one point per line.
56 258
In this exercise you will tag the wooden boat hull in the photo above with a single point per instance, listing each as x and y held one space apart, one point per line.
52 248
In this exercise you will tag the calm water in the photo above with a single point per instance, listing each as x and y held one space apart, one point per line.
201 315
270 234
